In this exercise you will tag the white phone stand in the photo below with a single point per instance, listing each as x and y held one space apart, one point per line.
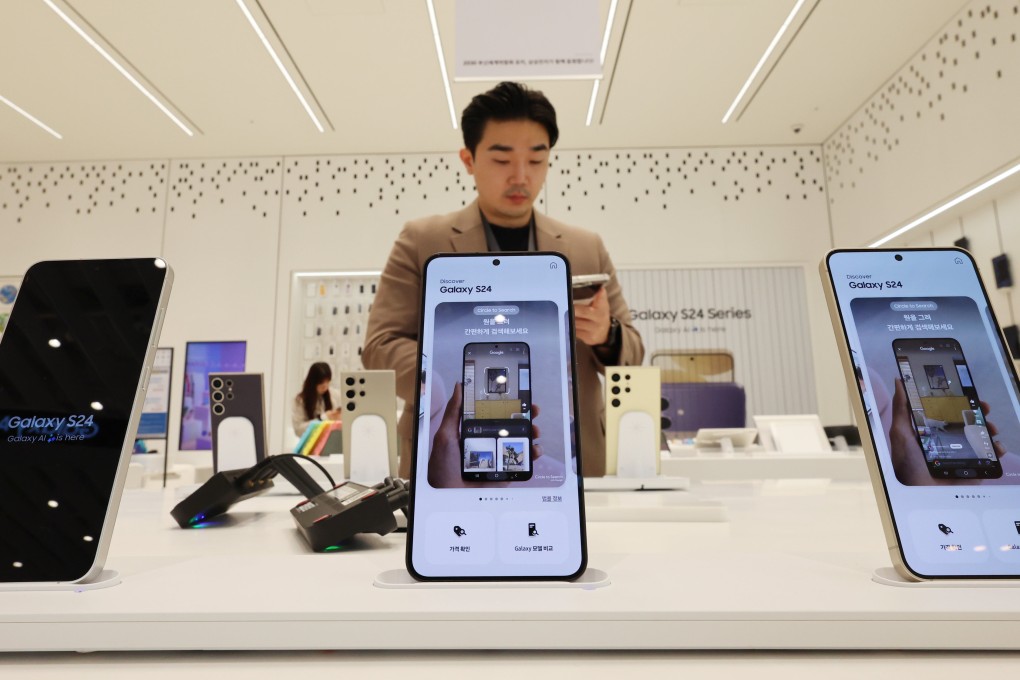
637 450
106 579
401 578
235 441
887 576
370 446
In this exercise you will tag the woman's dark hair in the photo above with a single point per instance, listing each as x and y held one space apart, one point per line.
317 372
507 101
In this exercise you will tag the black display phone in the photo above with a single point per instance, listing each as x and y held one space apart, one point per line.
74 366
945 409
496 436
238 419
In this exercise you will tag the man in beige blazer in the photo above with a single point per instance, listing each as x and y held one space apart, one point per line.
508 135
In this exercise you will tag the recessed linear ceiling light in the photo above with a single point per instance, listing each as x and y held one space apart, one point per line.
28 115
602 60
96 41
947 205
442 61
764 58
279 64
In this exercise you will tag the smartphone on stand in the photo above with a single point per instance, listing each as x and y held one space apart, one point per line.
496 482
74 367
938 405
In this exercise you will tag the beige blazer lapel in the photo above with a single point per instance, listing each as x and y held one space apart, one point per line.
467 235
547 236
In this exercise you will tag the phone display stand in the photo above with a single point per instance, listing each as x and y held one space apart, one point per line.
106 579
401 578
887 576
369 406
637 445
369 454
235 444
633 421
238 419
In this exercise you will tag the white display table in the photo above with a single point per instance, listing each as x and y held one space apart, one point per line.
840 466
791 569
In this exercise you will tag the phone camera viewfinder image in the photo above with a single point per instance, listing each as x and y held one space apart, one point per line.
945 409
496 429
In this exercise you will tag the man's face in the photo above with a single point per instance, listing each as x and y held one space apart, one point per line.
509 167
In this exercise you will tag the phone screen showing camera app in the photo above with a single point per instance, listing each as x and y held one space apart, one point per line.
945 408
940 398
496 412
496 491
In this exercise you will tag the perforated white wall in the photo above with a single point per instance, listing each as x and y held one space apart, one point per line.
74 210
943 122
235 230
695 205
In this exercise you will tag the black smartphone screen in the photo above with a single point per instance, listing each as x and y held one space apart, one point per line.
71 369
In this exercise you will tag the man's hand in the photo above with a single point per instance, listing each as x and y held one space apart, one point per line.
444 459
591 321
907 458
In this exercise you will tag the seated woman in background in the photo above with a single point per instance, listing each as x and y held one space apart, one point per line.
317 400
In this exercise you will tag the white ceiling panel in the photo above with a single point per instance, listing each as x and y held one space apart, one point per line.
372 67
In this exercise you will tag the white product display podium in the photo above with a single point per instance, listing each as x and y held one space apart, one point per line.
782 572
841 466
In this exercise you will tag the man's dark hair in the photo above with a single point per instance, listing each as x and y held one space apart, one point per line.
507 101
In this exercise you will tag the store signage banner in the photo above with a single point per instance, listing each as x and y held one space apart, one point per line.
527 39
742 325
